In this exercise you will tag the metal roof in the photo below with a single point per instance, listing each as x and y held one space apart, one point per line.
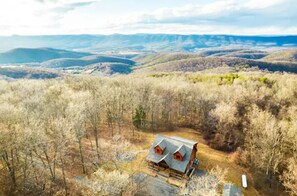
181 150
161 144
173 144
184 141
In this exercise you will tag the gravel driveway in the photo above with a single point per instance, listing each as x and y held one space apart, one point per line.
154 186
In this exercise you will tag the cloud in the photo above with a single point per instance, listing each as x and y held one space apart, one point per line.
69 7
63 1
263 4
23 16
197 16
216 12
221 16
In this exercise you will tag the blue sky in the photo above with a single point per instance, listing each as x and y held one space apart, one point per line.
240 17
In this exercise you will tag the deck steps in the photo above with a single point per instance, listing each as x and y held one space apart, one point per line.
164 174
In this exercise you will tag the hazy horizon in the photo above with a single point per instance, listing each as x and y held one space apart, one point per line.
185 34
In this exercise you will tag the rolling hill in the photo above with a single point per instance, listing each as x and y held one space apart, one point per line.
85 61
30 63
107 69
144 42
238 53
153 59
28 73
30 55
105 64
203 63
282 56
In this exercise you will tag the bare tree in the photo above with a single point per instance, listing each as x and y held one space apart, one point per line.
289 177
208 184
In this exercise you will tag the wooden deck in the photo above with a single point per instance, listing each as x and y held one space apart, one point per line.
168 175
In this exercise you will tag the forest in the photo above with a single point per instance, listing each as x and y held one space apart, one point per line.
50 127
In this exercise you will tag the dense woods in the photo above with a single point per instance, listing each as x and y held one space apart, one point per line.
198 62
45 123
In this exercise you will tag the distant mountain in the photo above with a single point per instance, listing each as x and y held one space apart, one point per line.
144 42
282 56
239 53
30 55
85 61
28 73
108 69
193 64
153 59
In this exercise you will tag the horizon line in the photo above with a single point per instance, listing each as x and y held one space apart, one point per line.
127 34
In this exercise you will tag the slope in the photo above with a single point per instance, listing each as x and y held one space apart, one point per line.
204 63
29 55
282 56
238 53
85 61
28 73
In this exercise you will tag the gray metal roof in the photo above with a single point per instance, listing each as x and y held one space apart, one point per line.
184 141
162 144
181 150
231 190
173 144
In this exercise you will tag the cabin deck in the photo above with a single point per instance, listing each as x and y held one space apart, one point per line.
169 175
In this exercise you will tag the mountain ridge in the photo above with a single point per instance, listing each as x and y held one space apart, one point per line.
30 55
144 42
199 63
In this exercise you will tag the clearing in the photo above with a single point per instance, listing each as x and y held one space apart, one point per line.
208 157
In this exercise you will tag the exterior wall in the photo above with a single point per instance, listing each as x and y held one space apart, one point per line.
163 165
194 152
193 157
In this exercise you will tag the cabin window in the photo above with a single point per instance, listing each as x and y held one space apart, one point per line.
158 150
178 157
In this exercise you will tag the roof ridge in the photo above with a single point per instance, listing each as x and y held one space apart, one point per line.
162 143
172 144
183 140
179 148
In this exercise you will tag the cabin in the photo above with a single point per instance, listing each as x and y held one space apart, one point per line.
175 154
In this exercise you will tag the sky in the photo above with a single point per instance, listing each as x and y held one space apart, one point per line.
236 17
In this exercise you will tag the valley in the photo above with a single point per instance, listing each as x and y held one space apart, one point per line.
65 62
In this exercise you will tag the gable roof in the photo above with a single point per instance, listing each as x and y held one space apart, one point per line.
173 144
161 144
181 150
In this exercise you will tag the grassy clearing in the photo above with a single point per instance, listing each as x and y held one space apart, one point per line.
208 157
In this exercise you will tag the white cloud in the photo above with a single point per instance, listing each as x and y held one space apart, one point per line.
84 16
212 11
35 13
256 4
